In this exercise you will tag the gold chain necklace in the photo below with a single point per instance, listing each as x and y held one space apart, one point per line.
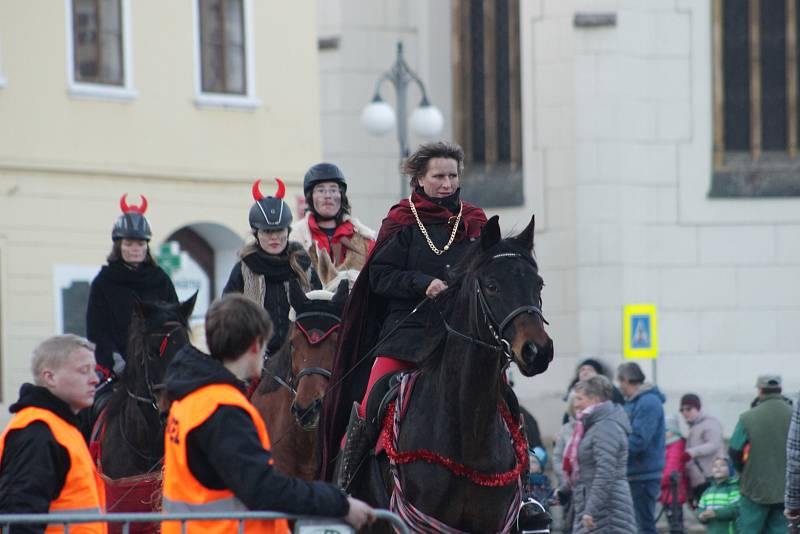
425 232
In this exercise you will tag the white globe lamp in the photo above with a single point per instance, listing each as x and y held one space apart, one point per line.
378 117
427 121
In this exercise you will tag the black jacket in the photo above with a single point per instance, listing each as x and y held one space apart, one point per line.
34 465
226 452
108 313
276 271
401 271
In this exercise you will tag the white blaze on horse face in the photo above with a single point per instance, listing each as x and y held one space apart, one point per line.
441 178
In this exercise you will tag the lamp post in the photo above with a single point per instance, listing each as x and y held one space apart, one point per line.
379 117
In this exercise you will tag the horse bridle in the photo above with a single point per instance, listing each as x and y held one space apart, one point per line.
294 380
152 389
494 326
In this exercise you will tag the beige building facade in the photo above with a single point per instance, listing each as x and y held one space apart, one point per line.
184 102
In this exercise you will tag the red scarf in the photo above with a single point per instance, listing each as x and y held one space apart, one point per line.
472 217
346 229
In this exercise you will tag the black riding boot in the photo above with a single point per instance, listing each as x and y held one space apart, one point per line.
356 445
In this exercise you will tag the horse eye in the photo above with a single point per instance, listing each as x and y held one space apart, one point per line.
491 287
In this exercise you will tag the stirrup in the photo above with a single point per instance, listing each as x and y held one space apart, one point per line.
355 448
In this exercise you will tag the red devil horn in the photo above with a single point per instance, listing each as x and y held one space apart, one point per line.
123 204
256 191
281 188
143 206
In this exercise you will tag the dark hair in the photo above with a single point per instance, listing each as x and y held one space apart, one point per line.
631 372
691 400
233 322
116 252
416 164
343 210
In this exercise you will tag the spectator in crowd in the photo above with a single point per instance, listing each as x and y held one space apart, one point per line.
45 466
792 494
719 505
586 369
558 461
758 450
646 450
703 445
673 494
596 461
538 482
217 449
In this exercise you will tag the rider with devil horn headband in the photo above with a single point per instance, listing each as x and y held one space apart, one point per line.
420 239
269 262
131 272
328 223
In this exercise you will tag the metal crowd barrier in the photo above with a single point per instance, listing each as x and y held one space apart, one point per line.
304 525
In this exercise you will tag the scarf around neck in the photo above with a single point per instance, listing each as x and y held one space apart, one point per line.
571 464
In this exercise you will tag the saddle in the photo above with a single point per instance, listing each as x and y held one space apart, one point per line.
383 392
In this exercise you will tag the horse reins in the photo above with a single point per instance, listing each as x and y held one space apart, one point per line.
495 327
153 388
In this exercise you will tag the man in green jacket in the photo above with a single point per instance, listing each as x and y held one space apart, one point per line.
758 450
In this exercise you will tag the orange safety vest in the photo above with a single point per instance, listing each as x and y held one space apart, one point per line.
182 491
83 491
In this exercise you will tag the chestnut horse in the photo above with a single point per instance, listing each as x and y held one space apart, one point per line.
294 380
454 454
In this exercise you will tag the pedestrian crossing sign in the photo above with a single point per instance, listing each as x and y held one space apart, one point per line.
640 332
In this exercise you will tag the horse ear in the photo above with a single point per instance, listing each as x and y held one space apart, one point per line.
326 270
297 298
340 297
312 253
137 308
490 234
187 306
526 236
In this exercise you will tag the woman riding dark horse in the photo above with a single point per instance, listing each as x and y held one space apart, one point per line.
128 439
131 274
271 261
455 420
421 238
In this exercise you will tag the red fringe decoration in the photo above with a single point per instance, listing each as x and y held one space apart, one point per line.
481 479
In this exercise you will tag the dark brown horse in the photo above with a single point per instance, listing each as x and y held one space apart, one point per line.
128 438
458 455
295 379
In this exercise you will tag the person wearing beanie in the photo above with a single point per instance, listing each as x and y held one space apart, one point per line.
703 444
586 369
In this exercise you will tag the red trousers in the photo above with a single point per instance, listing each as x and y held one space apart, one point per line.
383 366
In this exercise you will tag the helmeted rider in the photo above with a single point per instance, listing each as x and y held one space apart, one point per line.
269 262
328 222
131 273
420 239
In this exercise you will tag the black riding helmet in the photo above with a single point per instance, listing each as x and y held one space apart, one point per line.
270 213
131 224
323 172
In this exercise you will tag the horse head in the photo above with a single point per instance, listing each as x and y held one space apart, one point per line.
158 331
508 291
312 343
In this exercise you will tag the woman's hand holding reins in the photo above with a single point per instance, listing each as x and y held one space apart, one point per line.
435 287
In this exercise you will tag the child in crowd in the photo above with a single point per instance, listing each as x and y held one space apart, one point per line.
538 483
719 505
676 445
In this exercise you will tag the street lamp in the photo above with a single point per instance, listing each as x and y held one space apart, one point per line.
379 117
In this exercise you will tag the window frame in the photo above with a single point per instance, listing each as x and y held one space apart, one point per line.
78 88
226 100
